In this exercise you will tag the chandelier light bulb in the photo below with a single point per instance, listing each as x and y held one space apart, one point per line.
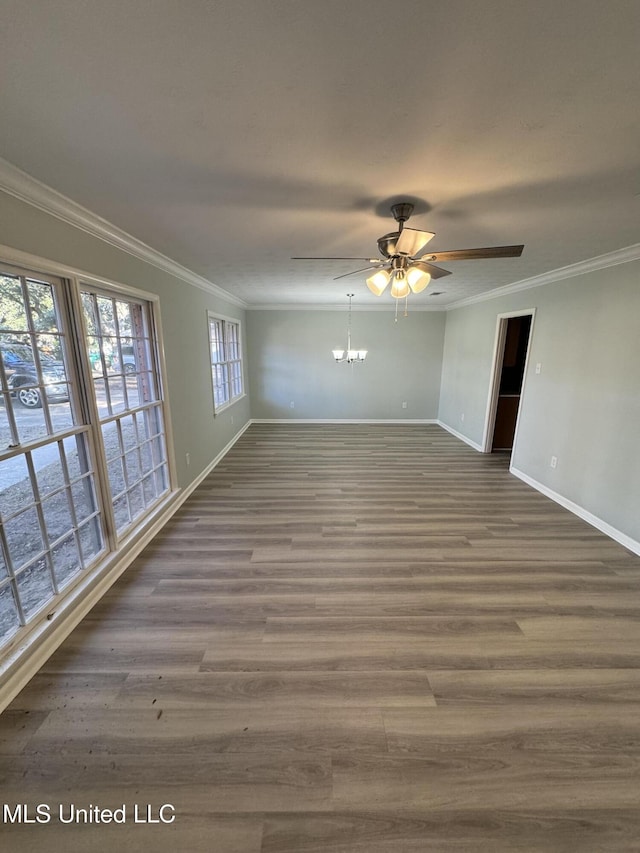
349 356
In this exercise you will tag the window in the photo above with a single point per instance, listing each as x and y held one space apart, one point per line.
52 525
226 361
83 453
128 399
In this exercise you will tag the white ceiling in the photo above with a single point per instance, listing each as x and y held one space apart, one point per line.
231 135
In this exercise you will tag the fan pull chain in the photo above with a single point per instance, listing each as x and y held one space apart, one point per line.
396 318
406 302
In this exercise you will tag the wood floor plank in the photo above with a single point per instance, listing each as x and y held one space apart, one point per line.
384 628
277 689
336 656
197 730
552 830
350 638
536 686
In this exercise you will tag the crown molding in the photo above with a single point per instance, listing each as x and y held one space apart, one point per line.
413 308
611 259
24 187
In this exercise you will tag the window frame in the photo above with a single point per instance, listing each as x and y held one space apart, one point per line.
117 550
149 304
226 365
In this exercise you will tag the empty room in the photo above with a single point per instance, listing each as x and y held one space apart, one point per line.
319 426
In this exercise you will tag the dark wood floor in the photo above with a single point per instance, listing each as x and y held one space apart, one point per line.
351 639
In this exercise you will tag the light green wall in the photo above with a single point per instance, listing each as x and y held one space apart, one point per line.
183 309
290 360
583 407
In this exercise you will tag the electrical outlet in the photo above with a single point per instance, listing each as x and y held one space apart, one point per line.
554 461
538 367
404 405
187 456
462 417
292 405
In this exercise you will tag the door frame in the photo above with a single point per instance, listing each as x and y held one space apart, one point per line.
496 372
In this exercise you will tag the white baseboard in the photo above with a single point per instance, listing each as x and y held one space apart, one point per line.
31 651
584 514
462 437
409 421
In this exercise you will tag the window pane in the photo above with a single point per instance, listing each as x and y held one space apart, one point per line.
116 476
48 468
121 512
6 435
84 499
43 312
66 560
9 620
101 398
90 314
76 454
129 433
116 392
157 447
147 457
90 540
61 417
136 501
35 587
151 422
13 315
57 517
16 492
106 314
23 537
149 489
29 414
132 464
162 479
125 325
111 439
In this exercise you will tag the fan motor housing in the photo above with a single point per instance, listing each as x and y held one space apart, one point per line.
387 244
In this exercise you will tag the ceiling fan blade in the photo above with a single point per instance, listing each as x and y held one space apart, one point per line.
369 260
473 254
364 269
434 271
411 241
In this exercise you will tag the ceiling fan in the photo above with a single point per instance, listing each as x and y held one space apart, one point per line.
403 264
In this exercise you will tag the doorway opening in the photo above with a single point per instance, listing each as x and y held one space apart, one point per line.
513 335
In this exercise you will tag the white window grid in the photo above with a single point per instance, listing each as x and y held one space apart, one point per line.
71 525
51 530
226 361
129 404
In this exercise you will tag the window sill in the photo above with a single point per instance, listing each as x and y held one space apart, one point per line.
223 408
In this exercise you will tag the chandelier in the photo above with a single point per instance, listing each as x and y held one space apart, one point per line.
349 355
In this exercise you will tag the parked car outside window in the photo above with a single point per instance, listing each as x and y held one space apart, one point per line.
21 373
128 359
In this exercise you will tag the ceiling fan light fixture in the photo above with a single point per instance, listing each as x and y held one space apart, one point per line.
418 279
400 286
411 241
378 282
